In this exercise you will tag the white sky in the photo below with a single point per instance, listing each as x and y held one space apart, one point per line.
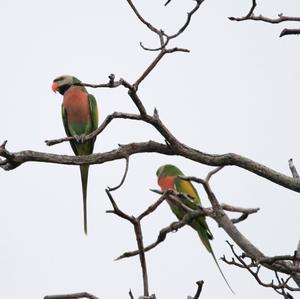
237 91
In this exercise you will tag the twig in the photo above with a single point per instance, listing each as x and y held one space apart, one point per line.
231 208
282 283
188 20
287 31
213 172
148 24
248 15
281 18
293 169
199 289
100 129
131 295
113 84
245 212
154 206
123 178
169 37
72 296
297 256
155 62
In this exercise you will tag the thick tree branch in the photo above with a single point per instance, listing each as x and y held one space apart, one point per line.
252 251
278 264
174 147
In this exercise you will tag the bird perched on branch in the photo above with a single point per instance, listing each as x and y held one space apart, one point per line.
168 178
80 117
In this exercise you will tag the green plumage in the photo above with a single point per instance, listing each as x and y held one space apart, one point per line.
168 178
76 107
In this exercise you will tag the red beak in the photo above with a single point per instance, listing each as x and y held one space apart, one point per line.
54 86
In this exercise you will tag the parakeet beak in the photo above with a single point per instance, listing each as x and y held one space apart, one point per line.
54 87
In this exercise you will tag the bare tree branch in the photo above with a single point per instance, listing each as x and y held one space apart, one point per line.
245 212
287 31
281 18
174 226
282 284
72 296
199 290
139 238
123 178
174 147
131 295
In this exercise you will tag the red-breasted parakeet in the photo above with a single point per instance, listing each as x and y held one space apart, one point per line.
80 117
168 179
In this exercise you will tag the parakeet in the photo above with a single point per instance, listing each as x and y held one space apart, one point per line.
168 179
80 116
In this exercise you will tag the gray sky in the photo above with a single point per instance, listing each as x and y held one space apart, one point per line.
237 91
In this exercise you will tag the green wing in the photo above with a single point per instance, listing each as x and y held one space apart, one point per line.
188 188
94 111
65 122
198 224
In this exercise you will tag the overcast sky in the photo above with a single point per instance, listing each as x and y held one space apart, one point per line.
237 91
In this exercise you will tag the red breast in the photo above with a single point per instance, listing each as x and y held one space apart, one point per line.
76 103
166 183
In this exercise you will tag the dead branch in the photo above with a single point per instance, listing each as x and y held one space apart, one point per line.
139 238
245 212
287 31
293 169
199 290
253 252
174 226
281 18
173 147
130 294
123 178
254 268
72 296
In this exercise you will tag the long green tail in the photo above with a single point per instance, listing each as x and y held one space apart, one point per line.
84 171
203 236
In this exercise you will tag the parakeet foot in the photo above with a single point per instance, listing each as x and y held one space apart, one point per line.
79 138
173 226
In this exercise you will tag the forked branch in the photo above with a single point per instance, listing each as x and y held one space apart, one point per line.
281 18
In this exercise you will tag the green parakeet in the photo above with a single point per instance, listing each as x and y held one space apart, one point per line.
168 179
80 117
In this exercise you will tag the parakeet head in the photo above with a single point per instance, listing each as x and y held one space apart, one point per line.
168 170
166 176
63 83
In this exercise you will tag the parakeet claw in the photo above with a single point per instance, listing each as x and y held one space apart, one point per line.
79 138
173 226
